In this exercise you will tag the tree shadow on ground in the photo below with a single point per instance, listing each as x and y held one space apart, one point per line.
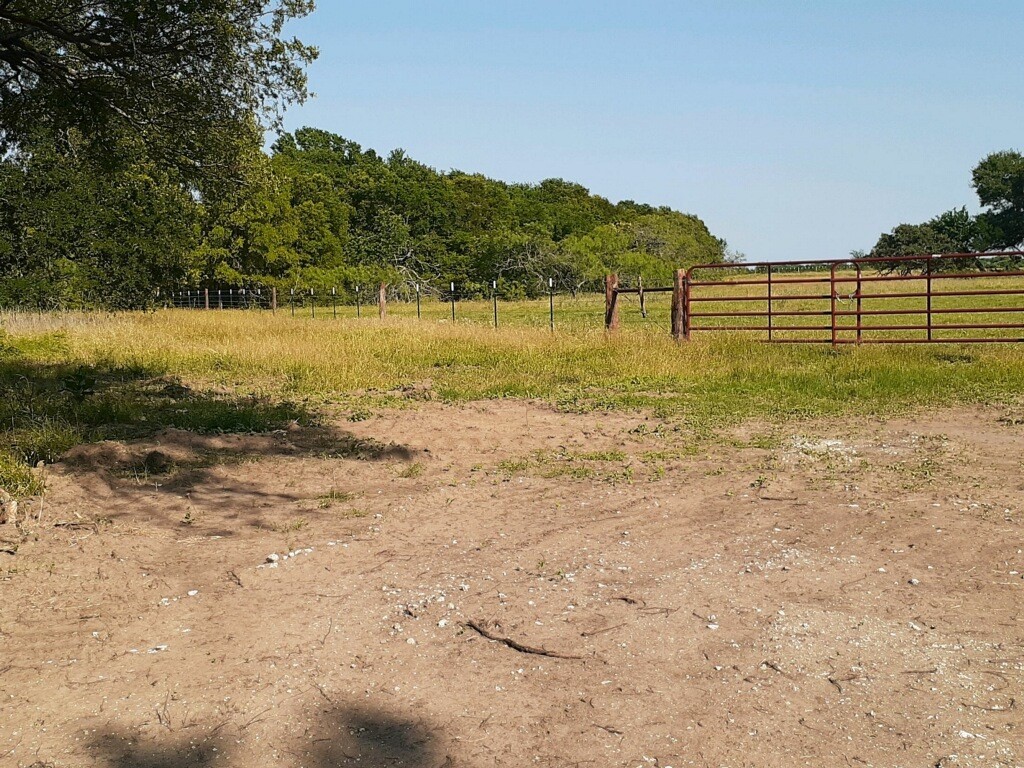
124 422
341 736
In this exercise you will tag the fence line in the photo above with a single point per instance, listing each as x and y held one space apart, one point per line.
746 298
301 298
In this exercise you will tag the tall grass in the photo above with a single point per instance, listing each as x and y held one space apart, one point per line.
73 378
724 375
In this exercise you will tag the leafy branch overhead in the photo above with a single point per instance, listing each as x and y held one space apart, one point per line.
183 77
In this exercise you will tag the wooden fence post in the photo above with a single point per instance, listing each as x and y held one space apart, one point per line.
643 300
611 302
206 297
382 301
678 305
273 301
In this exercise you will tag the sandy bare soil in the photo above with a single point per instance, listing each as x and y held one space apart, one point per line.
813 594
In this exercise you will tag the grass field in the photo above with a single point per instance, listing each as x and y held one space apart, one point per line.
74 378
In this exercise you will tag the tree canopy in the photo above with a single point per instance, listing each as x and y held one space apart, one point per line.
317 211
183 78
131 161
998 181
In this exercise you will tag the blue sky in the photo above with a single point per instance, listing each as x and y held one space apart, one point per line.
794 129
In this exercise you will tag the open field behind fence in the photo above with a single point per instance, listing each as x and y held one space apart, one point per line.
67 378
905 300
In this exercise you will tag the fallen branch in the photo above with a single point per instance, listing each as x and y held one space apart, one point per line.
630 601
600 631
514 645
1011 705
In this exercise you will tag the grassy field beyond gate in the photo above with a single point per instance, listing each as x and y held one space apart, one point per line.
76 378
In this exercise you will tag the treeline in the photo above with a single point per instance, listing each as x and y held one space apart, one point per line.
998 181
108 227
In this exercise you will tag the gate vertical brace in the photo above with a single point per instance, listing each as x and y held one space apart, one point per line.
860 323
687 289
769 302
679 305
832 300
611 302
928 268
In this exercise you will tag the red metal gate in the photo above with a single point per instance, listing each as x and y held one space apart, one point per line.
943 298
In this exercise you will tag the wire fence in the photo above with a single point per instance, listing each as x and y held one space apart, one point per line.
453 304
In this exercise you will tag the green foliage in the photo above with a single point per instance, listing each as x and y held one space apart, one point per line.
186 78
77 234
999 182
341 214
320 212
17 478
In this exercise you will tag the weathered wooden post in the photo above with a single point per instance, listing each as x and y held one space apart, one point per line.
611 302
679 305
551 302
273 301
382 301
206 297
643 299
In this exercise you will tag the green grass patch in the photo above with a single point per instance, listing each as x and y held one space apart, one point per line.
17 477
127 376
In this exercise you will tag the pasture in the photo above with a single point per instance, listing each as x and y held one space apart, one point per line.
347 541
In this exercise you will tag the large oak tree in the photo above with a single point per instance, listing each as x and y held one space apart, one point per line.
189 79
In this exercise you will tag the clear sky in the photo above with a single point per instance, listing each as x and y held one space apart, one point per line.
794 129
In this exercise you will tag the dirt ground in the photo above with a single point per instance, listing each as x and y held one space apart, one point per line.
810 594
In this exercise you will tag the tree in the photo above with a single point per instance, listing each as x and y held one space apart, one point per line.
185 78
951 232
999 182
74 234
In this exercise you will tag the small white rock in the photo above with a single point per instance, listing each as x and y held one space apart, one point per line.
411 641
193 592
273 557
